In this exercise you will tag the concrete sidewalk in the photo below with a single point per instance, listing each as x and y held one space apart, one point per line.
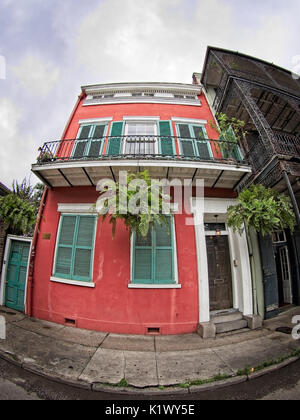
96 360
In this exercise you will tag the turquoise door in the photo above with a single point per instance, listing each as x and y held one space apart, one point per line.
16 275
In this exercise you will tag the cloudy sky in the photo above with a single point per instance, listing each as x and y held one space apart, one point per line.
49 48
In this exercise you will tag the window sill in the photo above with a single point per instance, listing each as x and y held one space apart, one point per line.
72 282
153 286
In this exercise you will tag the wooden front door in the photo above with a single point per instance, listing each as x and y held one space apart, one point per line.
16 274
219 273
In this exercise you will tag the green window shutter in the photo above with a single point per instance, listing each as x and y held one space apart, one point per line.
143 265
153 257
63 262
166 140
75 247
85 233
115 141
65 245
82 264
67 230
83 247
164 267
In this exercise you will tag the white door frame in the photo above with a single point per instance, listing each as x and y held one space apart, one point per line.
240 264
9 240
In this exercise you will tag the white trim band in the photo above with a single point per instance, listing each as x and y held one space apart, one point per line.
72 282
95 120
153 286
80 208
188 120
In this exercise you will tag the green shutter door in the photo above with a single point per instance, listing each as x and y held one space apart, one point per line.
16 275
114 148
187 147
166 141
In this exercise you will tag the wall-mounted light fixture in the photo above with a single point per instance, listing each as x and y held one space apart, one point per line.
218 231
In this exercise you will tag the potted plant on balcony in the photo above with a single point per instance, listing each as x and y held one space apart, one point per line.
231 132
45 156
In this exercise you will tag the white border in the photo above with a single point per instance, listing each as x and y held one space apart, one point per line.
241 273
141 118
72 210
188 120
95 120
72 282
9 239
78 208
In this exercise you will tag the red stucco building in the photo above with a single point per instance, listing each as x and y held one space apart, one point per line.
163 284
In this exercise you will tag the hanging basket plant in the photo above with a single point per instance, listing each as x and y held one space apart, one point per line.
136 199
262 209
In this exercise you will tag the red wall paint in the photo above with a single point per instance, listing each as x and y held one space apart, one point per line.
111 306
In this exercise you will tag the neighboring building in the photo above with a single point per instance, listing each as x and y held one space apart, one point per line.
165 284
3 191
267 98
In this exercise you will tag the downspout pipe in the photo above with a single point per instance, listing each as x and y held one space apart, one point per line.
30 280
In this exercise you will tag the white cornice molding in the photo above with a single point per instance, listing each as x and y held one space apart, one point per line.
78 208
188 120
148 87
141 118
95 120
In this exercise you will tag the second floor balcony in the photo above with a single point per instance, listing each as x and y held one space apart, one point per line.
84 161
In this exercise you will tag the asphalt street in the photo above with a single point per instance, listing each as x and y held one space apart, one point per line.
18 384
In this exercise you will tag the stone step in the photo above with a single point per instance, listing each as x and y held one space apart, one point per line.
231 326
229 317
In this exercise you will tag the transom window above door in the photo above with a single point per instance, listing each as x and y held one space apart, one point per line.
193 141
90 141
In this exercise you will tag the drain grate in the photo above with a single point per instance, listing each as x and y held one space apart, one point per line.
285 330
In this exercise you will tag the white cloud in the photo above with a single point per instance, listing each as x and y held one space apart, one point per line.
134 40
16 151
36 75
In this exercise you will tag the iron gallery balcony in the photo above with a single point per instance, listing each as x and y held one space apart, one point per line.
83 162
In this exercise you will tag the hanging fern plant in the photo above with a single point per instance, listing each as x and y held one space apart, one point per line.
262 209
139 202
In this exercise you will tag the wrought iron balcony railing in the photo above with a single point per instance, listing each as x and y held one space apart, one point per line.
286 145
141 147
